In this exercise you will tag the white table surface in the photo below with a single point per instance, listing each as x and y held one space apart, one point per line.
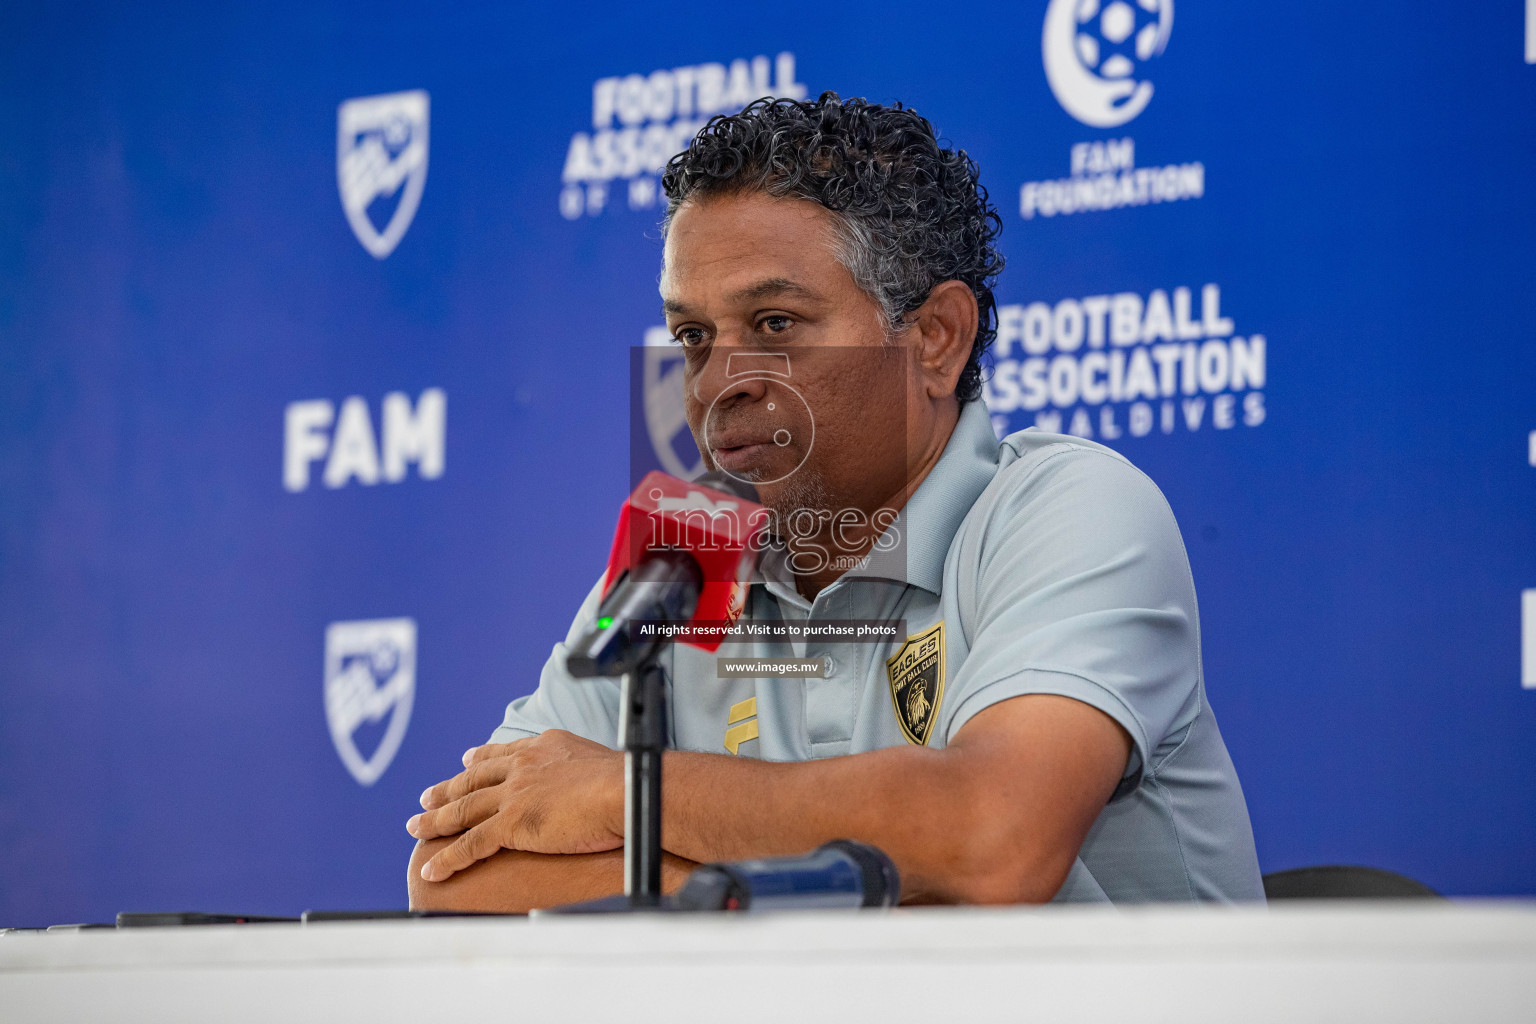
1291 962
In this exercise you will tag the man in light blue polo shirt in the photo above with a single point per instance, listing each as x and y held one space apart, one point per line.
1041 731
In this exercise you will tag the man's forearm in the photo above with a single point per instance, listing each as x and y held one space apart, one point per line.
514 882
997 817
726 808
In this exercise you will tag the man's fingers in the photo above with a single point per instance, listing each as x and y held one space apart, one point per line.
453 818
464 782
480 775
470 848
488 750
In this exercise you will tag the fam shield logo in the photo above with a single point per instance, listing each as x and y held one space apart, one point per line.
381 155
661 398
1094 53
370 677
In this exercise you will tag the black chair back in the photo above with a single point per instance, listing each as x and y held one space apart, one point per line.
1344 882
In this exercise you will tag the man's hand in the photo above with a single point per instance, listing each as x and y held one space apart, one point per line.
551 793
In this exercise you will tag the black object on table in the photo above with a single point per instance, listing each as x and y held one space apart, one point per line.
1344 882
190 917
326 916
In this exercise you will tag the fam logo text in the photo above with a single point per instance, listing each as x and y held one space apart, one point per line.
354 450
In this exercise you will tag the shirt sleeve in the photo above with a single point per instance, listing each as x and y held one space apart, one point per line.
1081 589
586 707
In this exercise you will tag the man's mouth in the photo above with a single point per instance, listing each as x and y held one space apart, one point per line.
740 454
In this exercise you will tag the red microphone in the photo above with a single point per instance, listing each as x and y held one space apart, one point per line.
681 560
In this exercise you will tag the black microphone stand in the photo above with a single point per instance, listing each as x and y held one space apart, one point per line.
663 588
643 736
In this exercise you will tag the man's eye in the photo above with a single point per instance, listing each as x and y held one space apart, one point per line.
776 324
689 337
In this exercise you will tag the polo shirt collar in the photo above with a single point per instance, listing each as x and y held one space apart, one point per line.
931 518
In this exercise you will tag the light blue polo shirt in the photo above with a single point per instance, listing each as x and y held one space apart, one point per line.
1043 563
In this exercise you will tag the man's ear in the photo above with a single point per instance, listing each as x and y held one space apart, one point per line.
946 330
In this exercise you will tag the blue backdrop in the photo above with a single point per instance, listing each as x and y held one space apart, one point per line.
1279 254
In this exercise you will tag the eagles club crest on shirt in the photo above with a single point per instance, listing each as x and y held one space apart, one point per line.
916 675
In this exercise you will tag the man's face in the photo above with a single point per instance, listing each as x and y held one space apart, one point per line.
791 382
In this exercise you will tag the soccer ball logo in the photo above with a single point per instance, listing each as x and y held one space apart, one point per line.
1094 51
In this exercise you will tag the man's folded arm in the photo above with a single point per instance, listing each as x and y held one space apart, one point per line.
514 882
996 817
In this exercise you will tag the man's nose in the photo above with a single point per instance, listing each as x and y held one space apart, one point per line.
728 376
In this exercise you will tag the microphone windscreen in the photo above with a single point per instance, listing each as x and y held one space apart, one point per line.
715 522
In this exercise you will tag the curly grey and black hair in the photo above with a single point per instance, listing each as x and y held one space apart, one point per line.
911 214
